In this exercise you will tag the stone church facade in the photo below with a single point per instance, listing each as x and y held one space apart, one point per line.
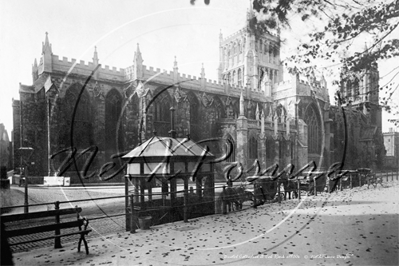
92 112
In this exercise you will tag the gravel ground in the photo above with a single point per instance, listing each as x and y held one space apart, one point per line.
350 227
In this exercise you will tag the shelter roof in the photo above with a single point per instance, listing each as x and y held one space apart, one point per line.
168 147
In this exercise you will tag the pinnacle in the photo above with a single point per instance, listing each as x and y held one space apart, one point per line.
46 46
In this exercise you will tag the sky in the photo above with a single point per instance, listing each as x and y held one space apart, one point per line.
162 28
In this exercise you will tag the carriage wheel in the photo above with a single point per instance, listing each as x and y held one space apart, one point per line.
235 206
282 196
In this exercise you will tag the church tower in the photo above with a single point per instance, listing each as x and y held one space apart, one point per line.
251 59
362 92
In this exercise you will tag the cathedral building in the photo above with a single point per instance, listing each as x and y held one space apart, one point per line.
81 116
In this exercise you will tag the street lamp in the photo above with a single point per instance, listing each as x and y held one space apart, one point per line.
26 153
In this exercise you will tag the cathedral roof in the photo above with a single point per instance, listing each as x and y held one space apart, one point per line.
39 83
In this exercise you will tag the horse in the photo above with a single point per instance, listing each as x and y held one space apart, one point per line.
290 187
234 197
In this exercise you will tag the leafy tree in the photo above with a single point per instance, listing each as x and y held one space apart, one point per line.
341 27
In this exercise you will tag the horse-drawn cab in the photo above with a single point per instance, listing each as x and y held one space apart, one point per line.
266 188
235 196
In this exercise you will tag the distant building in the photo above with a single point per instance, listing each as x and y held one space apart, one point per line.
391 143
5 148
264 116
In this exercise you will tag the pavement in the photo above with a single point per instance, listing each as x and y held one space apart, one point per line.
352 227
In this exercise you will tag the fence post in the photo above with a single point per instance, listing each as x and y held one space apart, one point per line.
185 209
132 225
127 217
57 240
224 211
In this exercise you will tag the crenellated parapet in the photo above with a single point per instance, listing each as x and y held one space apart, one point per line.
156 75
298 86
72 66
233 37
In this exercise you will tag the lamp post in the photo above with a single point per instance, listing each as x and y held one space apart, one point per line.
26 153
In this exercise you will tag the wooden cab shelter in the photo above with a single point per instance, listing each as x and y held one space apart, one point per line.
170 179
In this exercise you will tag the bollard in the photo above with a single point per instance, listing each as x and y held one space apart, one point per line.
132 225
387 176
224 210
392 175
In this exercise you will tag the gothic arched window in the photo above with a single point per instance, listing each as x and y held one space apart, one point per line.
314 130
220 112
270 149
81 123
195 118
239 77
281 113
232 148
252 110
349 88
271 48
356 87
162 108
113 133
253 148
132 122
194 114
